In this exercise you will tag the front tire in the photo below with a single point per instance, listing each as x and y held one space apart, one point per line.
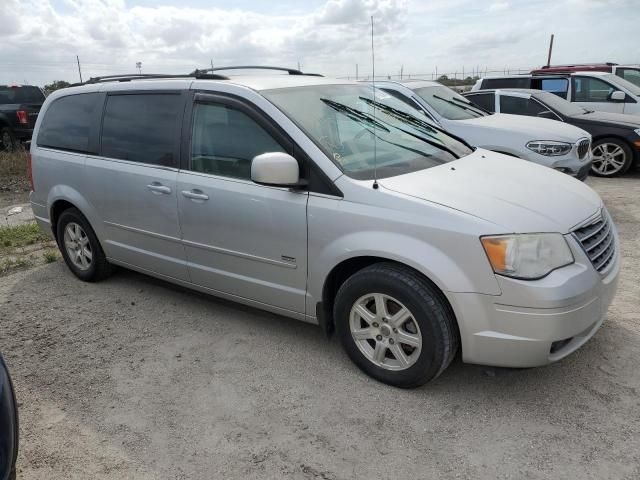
80 247
395 325
611 157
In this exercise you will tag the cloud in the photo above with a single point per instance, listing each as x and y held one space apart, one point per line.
110 36
499 6
39 39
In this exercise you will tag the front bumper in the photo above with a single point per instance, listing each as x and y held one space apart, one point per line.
538 322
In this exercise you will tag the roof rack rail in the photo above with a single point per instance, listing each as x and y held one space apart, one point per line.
291 71
127 77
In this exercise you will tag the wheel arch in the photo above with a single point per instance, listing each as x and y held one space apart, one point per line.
62 197
345 269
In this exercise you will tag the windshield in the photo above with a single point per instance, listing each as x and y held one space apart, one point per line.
621 82
449 104
341 120
560 105
20 94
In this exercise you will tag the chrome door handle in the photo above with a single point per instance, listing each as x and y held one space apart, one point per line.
159 188
195 194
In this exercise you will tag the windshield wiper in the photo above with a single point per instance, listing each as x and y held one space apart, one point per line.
355 114
367 119
461 105
401 115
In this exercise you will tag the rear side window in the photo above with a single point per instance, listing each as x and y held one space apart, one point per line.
520 106
486 101
225 140
142 128
19 94
494 83
557 86
68 122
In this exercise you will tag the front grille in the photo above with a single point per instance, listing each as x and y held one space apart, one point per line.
597 241
583 148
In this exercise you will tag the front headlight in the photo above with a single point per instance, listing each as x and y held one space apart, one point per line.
637 130
549 148
527 256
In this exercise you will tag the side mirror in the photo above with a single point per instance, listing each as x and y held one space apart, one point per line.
618 96
276 169
548 114
8 424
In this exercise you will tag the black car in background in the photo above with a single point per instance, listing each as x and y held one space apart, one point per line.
19 107
616 137
8 425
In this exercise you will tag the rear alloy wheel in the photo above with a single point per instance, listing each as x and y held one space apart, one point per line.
395 325
80 247
611 157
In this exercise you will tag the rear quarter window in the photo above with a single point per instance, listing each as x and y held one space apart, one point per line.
486 101
68 122
142 127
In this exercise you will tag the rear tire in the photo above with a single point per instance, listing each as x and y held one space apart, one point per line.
395 325
8 142
611 157
80 247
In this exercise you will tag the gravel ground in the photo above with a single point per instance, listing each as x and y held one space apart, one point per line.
135 378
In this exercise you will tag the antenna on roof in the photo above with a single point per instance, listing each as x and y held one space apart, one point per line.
373 86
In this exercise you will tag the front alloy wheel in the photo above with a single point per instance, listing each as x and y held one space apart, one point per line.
395 324
385 331
610 157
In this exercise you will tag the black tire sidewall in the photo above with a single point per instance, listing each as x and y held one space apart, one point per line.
429 363
627 152
11 147
73 215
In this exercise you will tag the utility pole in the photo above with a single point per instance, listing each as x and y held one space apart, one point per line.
401 71
298 65
550 50
212 64
139 67
79 71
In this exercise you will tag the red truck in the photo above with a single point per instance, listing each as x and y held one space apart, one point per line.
628 72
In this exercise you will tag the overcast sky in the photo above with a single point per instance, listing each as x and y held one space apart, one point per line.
40 38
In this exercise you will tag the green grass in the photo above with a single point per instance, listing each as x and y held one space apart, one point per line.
10 264
20 236
50 256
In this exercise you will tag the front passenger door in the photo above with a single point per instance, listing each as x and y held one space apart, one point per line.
242 239
595 94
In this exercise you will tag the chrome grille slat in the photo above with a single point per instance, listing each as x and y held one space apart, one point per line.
583 148
602 239
597 241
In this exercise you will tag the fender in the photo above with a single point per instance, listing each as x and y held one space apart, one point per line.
443 270
69 194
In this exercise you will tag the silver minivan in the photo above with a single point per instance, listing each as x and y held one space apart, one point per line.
332 203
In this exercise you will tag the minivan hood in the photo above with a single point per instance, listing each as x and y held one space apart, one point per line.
519 196
532 128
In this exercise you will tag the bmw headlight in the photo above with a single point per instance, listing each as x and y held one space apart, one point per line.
637 130
549 148
527 256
